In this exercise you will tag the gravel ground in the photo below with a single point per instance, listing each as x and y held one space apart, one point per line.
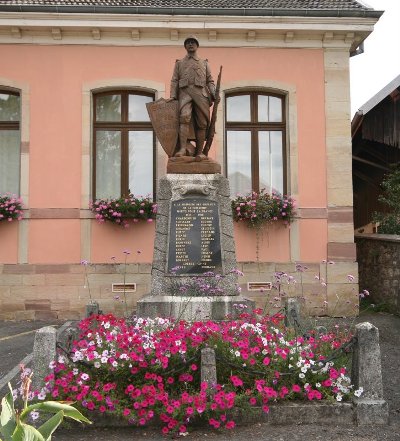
389 330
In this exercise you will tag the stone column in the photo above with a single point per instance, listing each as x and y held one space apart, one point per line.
370 408
292 313
44 352
208 368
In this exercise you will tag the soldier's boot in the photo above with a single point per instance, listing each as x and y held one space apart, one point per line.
200 140
183 136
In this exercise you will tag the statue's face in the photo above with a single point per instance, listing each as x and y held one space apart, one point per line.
191 46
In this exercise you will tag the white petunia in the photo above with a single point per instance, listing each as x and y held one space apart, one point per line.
358 392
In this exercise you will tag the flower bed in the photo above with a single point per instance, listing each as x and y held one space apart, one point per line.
10 207
150 368
120 210
260 208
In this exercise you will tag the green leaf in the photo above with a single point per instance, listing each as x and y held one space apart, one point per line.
54 407
48 428
24 432
7 417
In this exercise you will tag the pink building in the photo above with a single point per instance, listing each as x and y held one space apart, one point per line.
74 80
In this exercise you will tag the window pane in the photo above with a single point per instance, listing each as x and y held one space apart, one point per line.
9 107
238 108
108 164
238 153
9 161
108 108
269 109
141 163
270 161
137 107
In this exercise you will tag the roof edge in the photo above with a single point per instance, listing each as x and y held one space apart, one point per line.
260 12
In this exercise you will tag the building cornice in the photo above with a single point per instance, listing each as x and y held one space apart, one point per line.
214 31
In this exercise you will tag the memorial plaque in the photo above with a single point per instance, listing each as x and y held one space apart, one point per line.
194 239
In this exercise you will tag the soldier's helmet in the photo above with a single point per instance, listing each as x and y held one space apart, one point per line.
191 37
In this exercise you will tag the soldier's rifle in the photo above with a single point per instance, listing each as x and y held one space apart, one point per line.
211 129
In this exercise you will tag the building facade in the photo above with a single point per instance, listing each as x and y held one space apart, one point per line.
74 82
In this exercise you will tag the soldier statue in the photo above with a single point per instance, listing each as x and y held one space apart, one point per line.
193 86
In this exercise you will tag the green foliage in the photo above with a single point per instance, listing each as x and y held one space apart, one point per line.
389 223
13 425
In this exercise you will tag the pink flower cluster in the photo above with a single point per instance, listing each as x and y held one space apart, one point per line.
10 207
147 368
120 210
258 208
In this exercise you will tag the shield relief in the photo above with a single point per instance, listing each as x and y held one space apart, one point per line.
164 116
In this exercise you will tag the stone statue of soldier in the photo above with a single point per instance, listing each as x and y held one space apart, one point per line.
193 86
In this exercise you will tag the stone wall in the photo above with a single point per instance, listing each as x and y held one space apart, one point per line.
37 292
62 291
379 259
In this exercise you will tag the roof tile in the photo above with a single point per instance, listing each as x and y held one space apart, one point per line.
350 5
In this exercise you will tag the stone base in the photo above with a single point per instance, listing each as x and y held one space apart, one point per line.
371 412
193 308
192 165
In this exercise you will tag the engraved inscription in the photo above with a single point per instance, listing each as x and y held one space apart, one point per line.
194 243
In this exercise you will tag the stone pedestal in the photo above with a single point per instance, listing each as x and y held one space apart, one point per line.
370 408
194 237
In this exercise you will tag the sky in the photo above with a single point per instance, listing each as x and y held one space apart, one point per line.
380 62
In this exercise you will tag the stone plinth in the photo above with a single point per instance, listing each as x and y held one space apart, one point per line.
370 408
194 235
44 352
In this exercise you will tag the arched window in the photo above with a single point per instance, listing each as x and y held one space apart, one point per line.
123 144
255 142
10 141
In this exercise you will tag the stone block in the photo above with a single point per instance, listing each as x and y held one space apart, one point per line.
131 268
144 268
340 232
292 313
340 196
68 279
208 367
339 272
44 352
96 280
24 315
46 315
7 315
18 269
60 304
52 269
12 306
5 292
71 314
79 269
288 268
366 364
38 305
34 279
191 308
250 267
371 412
342 300
10 279
105 269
